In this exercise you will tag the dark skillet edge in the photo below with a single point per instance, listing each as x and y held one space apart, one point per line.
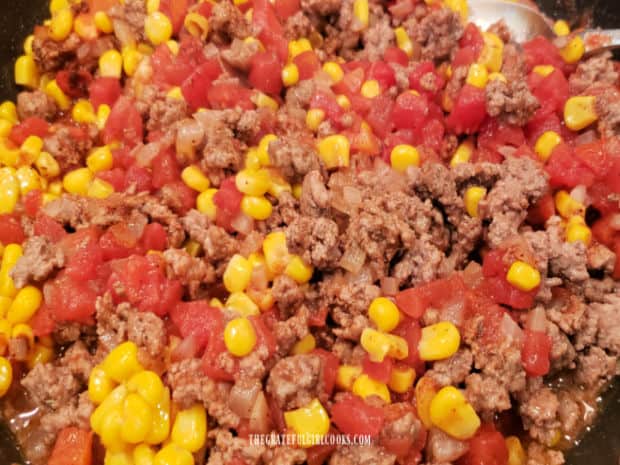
600 445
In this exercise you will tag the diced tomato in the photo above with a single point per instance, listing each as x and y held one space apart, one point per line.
541 123
380 371
416 300
365 142
154 237
74 83
104 90
70 300
286 8
487 447
33 126
351 83
215 347
84 255
165 169
352 415
603 232
11 230
463 57
472 37
327 102
330 369
540 51
176 11
497 288
196 319
124 123
410 330
266 73
431 135
115 176
47 226
395 55
195 87
468 111
228 202
535 353
32 200
551 91
139 178
73 447
225 95
318 317
307 64
264 336
172 70
270 31
42 323
541 211
566 170
594 156
410 111
383 73
495 134
433 81
100 5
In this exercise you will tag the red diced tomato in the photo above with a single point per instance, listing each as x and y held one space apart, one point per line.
195 87
47 226
115 176
154 237
33 200
464 57
541 123
270 31
432 135
603 232
380 371
468 111
416 300
330 369
70 300
541 211
266 73
33 126
286 8
427 70
551 92
395 55
83 254
104 90
327 102
139 178
472 37
176 11
351 83
383 73
594 156
264 336
535 353
410 111
74 83
487 447
228 202
124 123
307 64
540 51
73 447
42 323
354 416
566 170
165 169
410 330
197 319
225 95
11 230
172 70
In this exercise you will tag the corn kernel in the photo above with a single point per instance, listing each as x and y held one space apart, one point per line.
24 306
401 379
143 455
473 196
103 22
573 51
26 73
297 191
148 385
100 385
28 45
297 47
118 456
158 28
439 341
516 454
12 253
477 76
242 304
361 12
346 376
103 112
567 206
9 157
137 419
9 190
314 118
425 391
403 156
175 93
6 376
492 52
240 337
31 148
543 70
195 179
403 41
53 90
205 204
5 129
276 252
278 186
334 151
343 101
334 70
100 189
578 232
252 182
237 274
384 314
370 89
122 362
451 413
114 400
463 153
152 6
561 28
111 64
309 422
5 302
256 207
305 345
161 420
131 59
100 159
458 6
523 276
546 143
379 345
264 101
172 454
173 45
28 179
8 111
364 386
580 112
78 181
197 25
299 270
190 428
497 76
5 335
40 354
290 75
61 24
83 112
85 27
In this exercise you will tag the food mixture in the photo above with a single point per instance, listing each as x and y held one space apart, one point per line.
368 230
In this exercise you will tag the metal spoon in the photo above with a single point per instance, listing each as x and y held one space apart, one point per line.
526 22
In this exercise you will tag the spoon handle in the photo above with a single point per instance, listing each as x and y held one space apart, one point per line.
597 40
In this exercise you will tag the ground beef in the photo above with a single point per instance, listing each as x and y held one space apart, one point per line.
315 240
40 259
320 7
190 271
601 325
50 55
501 29
513 63
442 448
284 455
129 15
79 361
222 149
294 381
51 386
227 22
294 155
453 370
291 330
68 150
287 293
596 70
595 367
227 447
165 112
608 110
599 257
379 35
438 34
511 102
539 411
239 55
314 195
361 455
35 103
538 454
148 332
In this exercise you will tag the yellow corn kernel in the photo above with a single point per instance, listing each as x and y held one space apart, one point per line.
112 401
370 88
148 385
439 341
131 59
173 45
24 306
9 190
240 337
23 331
314 118
175 93
253 182
111 64
257 207
343 101
463 153
254 40
477 76
172 454
100 385
83 112
361 12
28 45
252 160
118 456
403 156
28 179
403 41
103 22
190 428
561 28
100 159
290 75
473 196
143 454
5 302
262 151
379 345
99 189
425 391
197 25
297 191
157 28
237 274
61 24
32 147
9 157
278 186
12 253
138 418
47 198
573 51
401 379
205 204
8 111
304 345
122 362
299 270
516 454
566 206
276 252
53 90
264 101
546 143
346 376
492 53
161 420
310 423
497 76
543 70
578 232
84 26
451 413
57 5
5 129
195 179
297 47
193 248
26 73
5 335
6 376
242 304
77 181
523 276
384 314
364 386
152 6
458 6
580 112
40 354
334 151
334 70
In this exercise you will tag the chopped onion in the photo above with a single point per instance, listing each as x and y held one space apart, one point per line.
259 279
401 9
507 150
190 134
242 223
614 221
123 32
145 154
242 398
510 329
454 312
136 225
536 319
443 448
579 193
353 259
352 196
472 275
260 421
586 137
389 285
186 349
